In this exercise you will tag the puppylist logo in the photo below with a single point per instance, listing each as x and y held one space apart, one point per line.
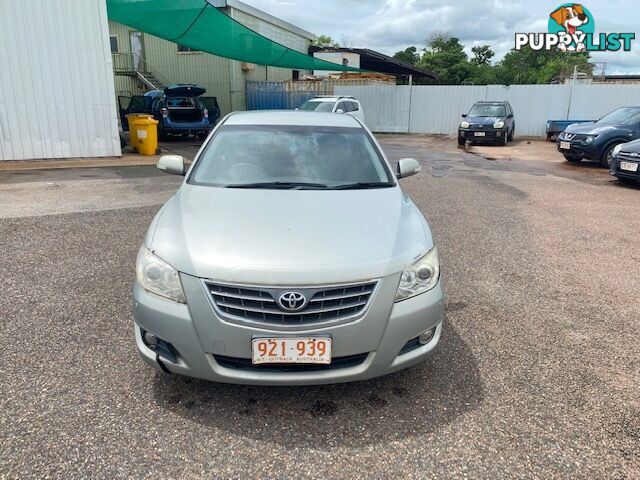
572 29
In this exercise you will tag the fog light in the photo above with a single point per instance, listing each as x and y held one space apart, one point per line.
425 337
150 340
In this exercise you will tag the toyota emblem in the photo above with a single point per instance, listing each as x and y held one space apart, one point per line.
292 301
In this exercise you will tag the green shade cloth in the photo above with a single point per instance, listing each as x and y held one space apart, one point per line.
200 26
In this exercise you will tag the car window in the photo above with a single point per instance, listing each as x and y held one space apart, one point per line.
354 106
622 116
331 156
181 102
343 106
487 110
312 106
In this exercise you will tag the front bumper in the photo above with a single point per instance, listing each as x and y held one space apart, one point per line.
482 134
624 174
206 346
579 149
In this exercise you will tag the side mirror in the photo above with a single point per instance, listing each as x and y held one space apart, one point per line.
464 115
510 115
172 164
408 167
297 109
339 110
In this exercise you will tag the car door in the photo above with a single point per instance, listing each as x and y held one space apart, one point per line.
127 105
356 110
211 104
510 120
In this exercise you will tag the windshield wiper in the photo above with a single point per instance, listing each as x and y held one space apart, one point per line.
280 185
361 185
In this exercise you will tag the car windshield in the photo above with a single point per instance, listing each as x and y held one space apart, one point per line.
485 110
622 116
312 106
273 156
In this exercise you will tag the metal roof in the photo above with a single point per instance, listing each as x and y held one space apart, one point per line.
378 62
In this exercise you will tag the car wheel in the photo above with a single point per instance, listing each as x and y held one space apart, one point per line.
461 141
511 135
504 140
607 156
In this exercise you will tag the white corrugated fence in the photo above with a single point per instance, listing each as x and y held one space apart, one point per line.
57 96
437 108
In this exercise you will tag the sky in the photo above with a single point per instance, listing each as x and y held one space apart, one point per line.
392 25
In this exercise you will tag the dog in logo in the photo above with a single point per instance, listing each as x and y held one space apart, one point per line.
571 18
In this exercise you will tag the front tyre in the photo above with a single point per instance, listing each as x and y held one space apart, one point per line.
461 141
607 156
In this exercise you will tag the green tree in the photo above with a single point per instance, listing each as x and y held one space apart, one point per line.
325 41
482 55
531 66
409 55
445 57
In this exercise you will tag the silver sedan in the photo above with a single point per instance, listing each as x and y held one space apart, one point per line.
290 255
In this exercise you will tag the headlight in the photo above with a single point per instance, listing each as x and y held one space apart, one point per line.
588 140
498 124
616 150
157 276
464 124
419 277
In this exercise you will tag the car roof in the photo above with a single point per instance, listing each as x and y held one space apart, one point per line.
496 102
289 117
332 98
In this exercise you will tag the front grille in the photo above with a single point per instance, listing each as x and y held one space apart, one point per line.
245 364
628 156
258 304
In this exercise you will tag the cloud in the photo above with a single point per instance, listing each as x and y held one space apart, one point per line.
392 25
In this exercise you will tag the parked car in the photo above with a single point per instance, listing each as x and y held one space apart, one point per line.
556 127
338 104
625 164
289 255
487 122
180 109
597 140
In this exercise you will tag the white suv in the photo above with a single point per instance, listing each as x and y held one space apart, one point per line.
334 104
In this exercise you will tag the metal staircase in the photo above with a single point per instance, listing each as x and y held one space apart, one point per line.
130 65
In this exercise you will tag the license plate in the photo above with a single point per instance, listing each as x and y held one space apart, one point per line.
565 145
291 350
479 134
629 166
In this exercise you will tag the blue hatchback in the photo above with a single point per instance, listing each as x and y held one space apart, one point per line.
597 140
180 109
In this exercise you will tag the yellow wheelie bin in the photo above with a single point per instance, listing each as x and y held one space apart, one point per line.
143 133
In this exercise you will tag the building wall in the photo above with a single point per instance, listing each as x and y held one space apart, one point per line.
223 78
56 88
353 60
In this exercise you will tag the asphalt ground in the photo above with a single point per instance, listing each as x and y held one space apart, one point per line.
537 374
